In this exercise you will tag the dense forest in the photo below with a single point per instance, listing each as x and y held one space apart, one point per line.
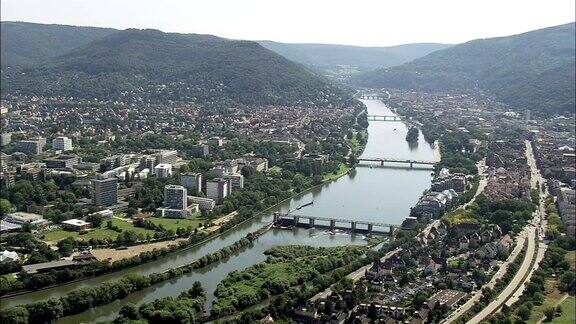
534 70
152 66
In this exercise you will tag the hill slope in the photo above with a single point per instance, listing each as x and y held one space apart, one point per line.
150 65
25 44
363 58
534 70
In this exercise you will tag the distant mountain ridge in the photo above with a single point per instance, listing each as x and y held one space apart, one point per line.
156 66
26 44
533 70
363 58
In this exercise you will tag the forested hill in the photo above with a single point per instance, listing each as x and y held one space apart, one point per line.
25 44
362 58
150 65
534 70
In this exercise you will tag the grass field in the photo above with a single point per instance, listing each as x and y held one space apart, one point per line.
174 224
551 297
568 315
102 232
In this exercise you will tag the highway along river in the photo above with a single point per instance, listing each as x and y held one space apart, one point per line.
377 194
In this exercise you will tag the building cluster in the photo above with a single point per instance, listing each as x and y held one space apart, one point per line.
444 267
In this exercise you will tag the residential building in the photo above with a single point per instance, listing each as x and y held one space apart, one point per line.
163 170
236 181
175 197
176 203
62 143
215 141
62 162
217 189
104 192
203 203
192 182
166 157
32 147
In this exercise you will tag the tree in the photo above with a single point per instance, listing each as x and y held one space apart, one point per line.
5 207
14 315
523 312
372 312
66 246
129 311
96 219
549 312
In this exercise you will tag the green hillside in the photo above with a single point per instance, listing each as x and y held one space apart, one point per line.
534 70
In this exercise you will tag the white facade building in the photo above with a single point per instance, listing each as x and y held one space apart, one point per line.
62 143
163 170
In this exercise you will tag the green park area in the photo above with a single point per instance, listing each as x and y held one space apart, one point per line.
459 216
568 315
286 266
123 225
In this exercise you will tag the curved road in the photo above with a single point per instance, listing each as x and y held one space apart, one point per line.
515 288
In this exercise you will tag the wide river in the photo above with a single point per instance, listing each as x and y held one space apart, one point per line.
378 194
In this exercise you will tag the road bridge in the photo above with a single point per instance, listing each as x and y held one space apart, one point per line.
393 160
353 225
384 118
371 96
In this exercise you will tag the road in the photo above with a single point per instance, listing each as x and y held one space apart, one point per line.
483 174
355 276
515 288
536 180
521 238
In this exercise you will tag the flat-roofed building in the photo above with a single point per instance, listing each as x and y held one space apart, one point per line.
163 170
76 224
166 157
203 203
217 189
61 162
192 182
22 217
62 143
32 146
104 191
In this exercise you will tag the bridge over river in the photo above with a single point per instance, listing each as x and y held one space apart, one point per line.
382 160
335 223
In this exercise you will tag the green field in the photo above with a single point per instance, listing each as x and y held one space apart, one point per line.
174 224
102 232
568 315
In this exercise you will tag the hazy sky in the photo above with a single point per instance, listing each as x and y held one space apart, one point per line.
356 22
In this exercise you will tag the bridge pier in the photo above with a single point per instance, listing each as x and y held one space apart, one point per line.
411 164
353 226
296 220
332 224
311 221
381 163
277 217
370 228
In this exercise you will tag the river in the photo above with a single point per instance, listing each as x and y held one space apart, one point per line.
377 194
